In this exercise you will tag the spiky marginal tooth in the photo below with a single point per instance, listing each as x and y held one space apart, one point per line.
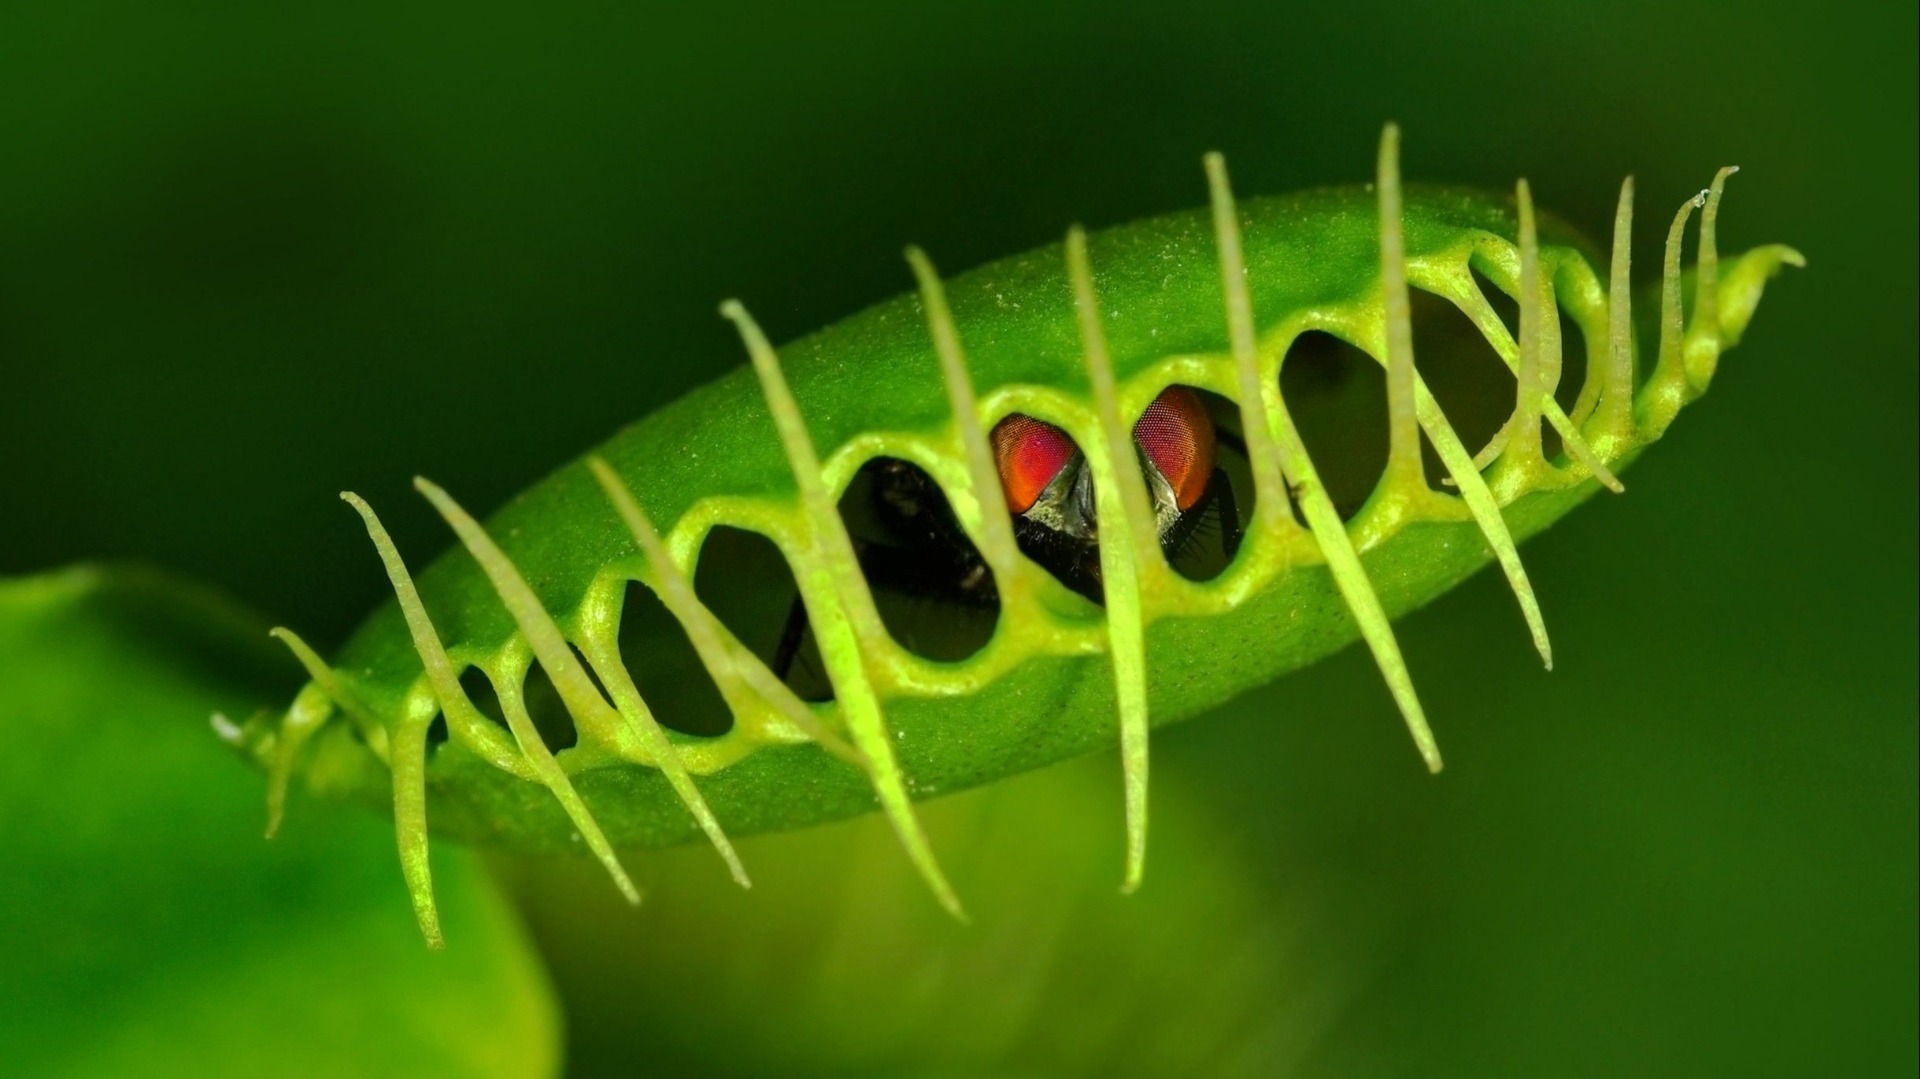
513 706
835 581
458 710
732 675
1414 398
1474 304
996 524
1551 358
409 767
1270 514
329 682
1614 415
464 721
1703 337
310 711
1538 373
1272 438
1485 509
1666 389
409 745
1350 577
576 692
1404 471
605 658
1524 441
1672 328
1540 363
1128 545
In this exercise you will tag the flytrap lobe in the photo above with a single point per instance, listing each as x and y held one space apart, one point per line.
1083 340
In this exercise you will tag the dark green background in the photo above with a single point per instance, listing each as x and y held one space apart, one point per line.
250 256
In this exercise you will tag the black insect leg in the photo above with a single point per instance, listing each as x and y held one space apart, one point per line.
1188 542
1220 493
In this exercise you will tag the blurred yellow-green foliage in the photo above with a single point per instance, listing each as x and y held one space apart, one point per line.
252 254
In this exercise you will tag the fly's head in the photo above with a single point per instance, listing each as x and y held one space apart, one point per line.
1049 486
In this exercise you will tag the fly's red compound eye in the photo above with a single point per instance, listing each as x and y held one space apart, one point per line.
1177 435
1030 454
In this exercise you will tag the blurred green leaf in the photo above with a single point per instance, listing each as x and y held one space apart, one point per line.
146 928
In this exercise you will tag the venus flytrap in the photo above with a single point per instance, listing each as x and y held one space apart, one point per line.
1084 339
